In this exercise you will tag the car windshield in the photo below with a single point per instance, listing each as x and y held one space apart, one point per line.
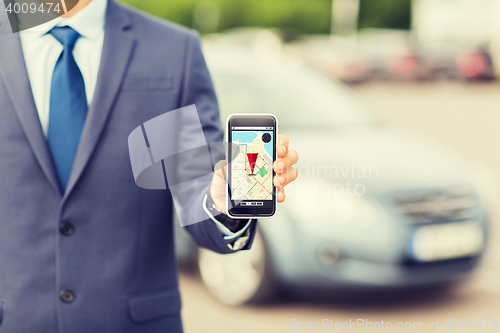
299 97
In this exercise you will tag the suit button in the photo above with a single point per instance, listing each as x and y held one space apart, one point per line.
66 228
66 296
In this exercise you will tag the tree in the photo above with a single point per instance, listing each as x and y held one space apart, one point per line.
394 14
302 16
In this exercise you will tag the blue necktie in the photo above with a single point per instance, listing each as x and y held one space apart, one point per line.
68 106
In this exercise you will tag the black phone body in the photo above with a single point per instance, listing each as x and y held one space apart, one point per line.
250 155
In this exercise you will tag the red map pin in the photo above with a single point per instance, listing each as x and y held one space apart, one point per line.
252 158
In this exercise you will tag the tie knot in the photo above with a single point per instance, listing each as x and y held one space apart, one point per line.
65 35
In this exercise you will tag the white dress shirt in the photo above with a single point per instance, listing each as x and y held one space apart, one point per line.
41 51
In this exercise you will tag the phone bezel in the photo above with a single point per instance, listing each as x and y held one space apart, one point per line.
250 120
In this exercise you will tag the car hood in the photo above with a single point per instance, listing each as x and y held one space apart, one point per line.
380 158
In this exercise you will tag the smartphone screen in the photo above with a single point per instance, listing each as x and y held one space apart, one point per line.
252 152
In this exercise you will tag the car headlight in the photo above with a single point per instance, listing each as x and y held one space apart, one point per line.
319 205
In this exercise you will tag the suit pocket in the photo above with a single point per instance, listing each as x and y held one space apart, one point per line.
141 83
154 305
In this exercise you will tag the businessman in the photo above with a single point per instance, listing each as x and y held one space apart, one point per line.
82 248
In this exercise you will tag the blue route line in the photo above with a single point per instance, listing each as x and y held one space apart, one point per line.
246 150
260 168
243 144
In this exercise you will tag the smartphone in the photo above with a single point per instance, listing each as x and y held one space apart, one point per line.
251 153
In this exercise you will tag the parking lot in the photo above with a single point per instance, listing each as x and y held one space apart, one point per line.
462 117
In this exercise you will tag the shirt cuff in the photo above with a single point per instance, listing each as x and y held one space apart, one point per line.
228 234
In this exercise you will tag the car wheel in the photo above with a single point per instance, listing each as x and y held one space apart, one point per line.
239 278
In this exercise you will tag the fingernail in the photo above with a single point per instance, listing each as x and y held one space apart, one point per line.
280 165
282 180
283 148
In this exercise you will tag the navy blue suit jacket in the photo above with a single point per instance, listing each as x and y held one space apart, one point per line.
120 261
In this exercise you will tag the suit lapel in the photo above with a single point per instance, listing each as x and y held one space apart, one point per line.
117 52
15 77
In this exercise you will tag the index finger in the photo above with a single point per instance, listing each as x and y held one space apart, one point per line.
282 142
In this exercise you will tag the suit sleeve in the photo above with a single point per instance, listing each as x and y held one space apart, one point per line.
198 89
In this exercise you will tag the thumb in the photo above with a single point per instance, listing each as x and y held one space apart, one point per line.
221 170
218 188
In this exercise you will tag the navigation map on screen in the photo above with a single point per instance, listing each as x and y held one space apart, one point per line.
251 167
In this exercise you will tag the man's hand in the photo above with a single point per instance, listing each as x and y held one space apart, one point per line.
285 174
218 188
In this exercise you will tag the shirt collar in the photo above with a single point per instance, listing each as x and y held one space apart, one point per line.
89 22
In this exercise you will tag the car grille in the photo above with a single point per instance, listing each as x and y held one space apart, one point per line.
437 206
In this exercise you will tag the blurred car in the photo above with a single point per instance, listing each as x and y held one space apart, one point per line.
417 216
462 33
335 55
393 54
380 54
475 64
458 61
